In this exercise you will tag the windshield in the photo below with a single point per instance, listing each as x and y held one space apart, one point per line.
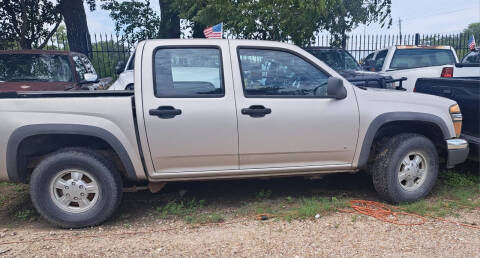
35 67
414 58
338 59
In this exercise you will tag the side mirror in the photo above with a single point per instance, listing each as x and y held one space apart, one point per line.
89 78
120 67
335 88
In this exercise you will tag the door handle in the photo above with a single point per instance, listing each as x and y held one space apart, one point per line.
165 112
256 111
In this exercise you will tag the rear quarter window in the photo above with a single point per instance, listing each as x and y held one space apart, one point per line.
415 58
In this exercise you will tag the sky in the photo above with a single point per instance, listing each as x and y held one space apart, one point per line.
418 16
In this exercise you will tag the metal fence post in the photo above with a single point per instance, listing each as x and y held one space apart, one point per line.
417 39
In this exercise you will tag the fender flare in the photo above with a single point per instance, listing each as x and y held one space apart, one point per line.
16 174
385 118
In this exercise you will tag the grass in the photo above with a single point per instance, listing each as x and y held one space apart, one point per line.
181 208
263 194
190 212
24 214
455 191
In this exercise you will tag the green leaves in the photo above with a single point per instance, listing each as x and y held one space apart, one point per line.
286 20
30 23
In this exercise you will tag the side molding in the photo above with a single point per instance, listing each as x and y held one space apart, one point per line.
383 119
18 175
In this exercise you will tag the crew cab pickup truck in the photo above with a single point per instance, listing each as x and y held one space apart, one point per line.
213 109
412 62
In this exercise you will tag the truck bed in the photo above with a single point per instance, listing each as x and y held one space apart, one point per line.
64 94
110 112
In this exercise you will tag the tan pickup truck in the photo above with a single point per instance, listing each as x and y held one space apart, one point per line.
213 109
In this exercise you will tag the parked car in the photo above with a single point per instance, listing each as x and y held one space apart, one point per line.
125 75
466 92
45 70
469 66
260 109
412 62
346 65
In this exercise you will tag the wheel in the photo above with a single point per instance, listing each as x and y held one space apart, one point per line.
75 187
405 168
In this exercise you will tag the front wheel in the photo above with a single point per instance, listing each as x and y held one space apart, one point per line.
75 188
405 168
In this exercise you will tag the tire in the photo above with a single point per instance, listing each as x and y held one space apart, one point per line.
84 173
397 182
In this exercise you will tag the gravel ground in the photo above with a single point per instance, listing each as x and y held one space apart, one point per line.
139 230
333 235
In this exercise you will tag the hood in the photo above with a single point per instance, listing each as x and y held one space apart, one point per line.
398 97
352 74
35 86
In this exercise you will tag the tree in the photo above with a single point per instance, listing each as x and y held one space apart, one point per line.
286 20
472 29
138 21
75 19
30 23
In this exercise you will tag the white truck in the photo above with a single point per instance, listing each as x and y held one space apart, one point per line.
216 109
413 62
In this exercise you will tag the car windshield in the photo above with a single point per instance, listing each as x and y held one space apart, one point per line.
414 58
35 67
338 59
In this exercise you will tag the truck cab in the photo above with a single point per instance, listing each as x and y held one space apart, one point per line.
411 62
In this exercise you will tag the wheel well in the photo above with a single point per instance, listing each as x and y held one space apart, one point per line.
31 150
430 130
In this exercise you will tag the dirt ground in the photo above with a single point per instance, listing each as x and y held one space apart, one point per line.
218 218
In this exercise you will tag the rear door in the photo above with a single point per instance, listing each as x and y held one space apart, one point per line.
189 106
285 119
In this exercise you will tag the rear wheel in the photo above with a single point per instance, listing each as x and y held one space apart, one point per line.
405 168
75 188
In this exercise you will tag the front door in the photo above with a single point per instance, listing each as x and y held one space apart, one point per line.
285 118
189 107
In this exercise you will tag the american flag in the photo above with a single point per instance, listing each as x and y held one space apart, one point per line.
214 32
471 43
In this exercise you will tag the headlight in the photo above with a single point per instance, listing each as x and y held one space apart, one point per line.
457 118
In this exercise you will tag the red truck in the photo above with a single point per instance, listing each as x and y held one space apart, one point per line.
45 70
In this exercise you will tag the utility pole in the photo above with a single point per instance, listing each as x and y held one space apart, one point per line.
400 28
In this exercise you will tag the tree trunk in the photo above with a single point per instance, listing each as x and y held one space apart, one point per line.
170 20
198 30
76 23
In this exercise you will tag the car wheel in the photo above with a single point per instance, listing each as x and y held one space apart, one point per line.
75 187
405 168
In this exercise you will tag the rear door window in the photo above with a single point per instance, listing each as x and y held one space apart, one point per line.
188 73
415 58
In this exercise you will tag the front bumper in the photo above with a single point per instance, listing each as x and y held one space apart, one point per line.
457 151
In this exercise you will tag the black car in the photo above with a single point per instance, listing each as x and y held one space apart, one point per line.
346 65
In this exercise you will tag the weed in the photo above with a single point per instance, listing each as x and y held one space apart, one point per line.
180 208
337 225
309 207
263 194
24 214
451 178
126 225
354 218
